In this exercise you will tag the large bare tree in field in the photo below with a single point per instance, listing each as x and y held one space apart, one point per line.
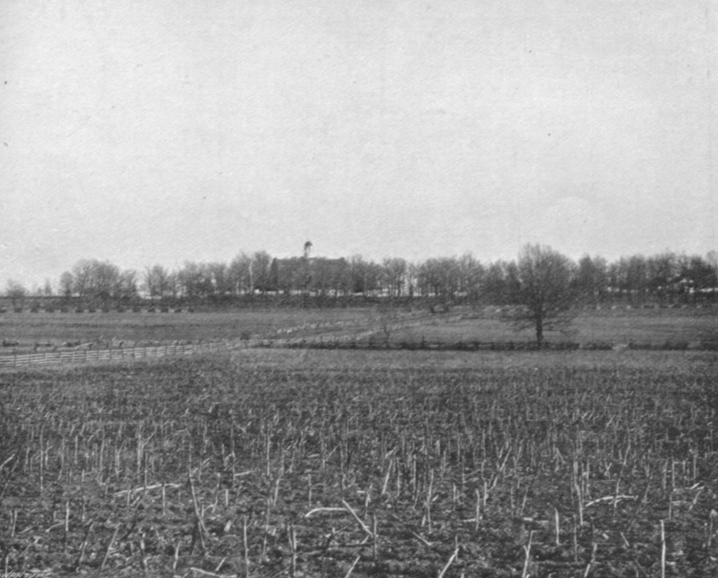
545 292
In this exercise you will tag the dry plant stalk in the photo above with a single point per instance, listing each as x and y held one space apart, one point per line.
449 562
359 521
711 521
13 523
200 528
109 546
575 540
527 557
385 483
428 500
374 540
557 526
143 553
591 561
175 558
245 547
478 510
663 550
83 546
292 537
66 528
351 568
579 499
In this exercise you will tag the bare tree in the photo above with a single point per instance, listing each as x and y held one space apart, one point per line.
220 278
700 275
394 275
471 273
261 272
439 278
107 280
341 278
240 270
174 287
358 268
95 279
545 291
16 292
67 283
591 279
83 278
128 284
156 281
193 280
662 271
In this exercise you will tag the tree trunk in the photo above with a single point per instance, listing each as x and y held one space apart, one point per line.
539 332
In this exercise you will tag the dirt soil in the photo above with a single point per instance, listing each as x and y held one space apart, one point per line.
363 464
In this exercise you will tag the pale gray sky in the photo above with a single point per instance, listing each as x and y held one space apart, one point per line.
158 131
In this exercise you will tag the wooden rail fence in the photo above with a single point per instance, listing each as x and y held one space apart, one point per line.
86 355
364 340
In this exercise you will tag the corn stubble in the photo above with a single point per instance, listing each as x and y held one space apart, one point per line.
207 468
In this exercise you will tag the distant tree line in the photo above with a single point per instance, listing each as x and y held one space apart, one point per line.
665 278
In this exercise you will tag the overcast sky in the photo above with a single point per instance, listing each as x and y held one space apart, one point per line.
159 131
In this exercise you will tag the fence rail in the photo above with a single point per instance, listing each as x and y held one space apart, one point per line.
364 340
86 355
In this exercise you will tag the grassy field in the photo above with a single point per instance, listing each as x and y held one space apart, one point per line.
269 463
621 326
145 327
650 326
